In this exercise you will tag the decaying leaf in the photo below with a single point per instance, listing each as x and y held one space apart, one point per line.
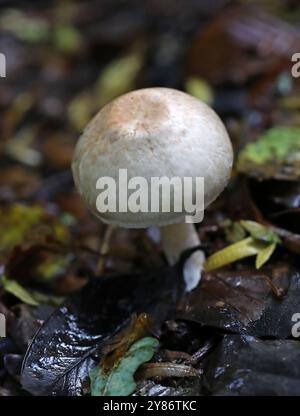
115 350
119 381
18 221
64 350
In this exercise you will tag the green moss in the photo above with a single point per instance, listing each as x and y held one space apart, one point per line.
276 145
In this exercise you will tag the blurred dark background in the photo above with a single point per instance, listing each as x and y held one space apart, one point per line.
64 61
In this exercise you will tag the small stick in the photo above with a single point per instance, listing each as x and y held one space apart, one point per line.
105 248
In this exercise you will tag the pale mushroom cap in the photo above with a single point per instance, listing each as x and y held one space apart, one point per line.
152 132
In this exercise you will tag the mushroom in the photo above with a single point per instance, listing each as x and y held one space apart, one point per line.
155 132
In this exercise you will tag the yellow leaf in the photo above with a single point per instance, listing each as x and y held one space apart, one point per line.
245 248
264 255
14 288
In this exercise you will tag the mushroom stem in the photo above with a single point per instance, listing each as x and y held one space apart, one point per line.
179 237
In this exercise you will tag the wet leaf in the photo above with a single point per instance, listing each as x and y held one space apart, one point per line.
120 381
243 301
152 389
63 351
114 351
166 370
26 322
244 365
230 301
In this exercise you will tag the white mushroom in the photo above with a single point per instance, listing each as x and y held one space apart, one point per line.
156 132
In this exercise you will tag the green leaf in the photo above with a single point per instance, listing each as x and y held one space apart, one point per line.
260 232
119 381
14 288
264 255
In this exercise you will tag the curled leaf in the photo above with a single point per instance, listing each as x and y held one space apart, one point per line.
237 251
262 242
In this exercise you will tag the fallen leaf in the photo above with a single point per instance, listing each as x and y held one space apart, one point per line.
13 287
119 381
247 366
243 301
262 243
64 350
